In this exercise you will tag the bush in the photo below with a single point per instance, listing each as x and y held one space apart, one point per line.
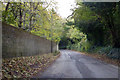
105 50
109 51
114 53
56 53
80 46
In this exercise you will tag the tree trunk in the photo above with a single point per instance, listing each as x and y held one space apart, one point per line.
30 17
6 10
115 41
7 6
24 16
20 19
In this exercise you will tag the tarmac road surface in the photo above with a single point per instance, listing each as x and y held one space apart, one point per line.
72 64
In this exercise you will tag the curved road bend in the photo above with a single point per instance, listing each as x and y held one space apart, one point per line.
72 64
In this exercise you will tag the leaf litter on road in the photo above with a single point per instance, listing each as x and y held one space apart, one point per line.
25 67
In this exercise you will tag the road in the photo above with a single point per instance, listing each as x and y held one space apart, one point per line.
72 64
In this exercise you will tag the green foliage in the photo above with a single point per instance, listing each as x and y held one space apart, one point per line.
35 18
104 50
99 21
90 27
109 14
95 28
56 53
81 46
110 52
89 23
10 18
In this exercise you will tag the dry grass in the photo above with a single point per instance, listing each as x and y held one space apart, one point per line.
102 57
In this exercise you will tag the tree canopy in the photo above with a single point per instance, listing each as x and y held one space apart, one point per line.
99 21
91 23
35 17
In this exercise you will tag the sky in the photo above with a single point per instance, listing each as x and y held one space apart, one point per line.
64 6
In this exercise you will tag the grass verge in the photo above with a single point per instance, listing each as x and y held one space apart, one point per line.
101 57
